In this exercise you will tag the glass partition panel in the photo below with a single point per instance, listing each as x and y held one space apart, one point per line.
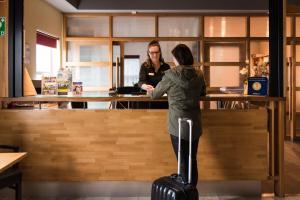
297 26
137 26
140 48
297 53
297 101
288 59
167 48
259 26
87 52
225 26
224 76
136 48
288 27
259 51
288 50
298 76
224 54
88 26
179 26
259 47
116 52
131 71
92 78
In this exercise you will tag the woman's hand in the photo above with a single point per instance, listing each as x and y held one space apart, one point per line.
147 87
149 91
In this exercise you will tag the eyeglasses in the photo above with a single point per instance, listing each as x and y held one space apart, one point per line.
154 52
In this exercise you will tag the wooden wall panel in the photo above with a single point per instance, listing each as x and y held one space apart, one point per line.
94 145
4 52
234 145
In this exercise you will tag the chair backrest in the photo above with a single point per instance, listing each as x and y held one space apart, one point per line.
9 147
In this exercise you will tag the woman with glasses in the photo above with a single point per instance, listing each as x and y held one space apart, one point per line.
152 70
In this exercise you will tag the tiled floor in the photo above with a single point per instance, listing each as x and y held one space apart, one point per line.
148 198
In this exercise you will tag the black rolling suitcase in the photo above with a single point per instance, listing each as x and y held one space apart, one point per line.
173 187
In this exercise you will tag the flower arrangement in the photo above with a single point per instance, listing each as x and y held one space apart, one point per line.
244 73
260 65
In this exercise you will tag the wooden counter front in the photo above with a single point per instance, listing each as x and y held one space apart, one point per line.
104 96
94 145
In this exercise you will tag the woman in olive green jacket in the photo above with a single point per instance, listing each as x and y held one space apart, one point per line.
184 85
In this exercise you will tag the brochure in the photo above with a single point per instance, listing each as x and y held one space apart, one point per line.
49 85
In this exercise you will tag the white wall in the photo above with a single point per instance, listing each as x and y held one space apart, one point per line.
39 15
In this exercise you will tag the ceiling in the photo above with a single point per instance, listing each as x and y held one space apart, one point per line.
206 6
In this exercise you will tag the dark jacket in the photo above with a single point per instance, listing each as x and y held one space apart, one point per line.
184 86
149 76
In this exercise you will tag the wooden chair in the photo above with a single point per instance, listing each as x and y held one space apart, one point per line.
12 177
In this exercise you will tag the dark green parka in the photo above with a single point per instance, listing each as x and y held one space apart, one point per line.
184 86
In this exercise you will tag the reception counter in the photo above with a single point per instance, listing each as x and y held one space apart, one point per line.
134 145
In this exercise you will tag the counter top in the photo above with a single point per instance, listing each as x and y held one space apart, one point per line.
105 96
9 159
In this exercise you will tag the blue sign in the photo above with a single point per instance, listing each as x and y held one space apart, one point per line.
258 86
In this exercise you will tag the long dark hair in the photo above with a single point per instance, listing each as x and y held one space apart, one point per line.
183 55
154 43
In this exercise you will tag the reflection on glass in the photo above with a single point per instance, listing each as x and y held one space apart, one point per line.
88 26
298 101
136 48
116 52
167 48
297 53
225 26
259 26
224 76
298 76
94 77
87 52
288 51
288 74
137 26
288 26
258 49
131 71
297 26
224 54
114 76
179 26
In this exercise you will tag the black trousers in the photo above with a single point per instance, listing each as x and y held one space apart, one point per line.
184 164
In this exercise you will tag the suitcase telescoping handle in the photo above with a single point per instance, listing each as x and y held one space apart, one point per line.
189 121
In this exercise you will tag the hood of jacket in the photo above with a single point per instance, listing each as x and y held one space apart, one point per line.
184 76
